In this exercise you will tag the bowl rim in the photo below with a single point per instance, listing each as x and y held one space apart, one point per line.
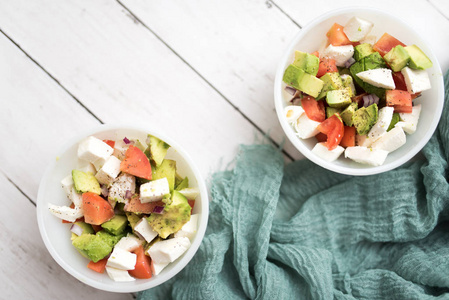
156 280
297 143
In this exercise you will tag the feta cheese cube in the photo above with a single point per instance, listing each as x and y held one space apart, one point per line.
305 127
356 29
321 151
119 275
123 183
381 78
144 229
154 190
410 120
65 212
157 268
380 127
416 80
120 148
109 171
129 243
369 39
122 259
189 228
341 54
292 113
167 251
77 199
391 140
86 166
92 149
364 155
190 193
67 184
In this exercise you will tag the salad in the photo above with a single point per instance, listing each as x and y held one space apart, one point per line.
131 212
356 95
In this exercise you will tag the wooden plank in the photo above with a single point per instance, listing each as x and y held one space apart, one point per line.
442 6
421 16
28 270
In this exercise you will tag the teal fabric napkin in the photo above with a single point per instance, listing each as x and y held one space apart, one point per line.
302 232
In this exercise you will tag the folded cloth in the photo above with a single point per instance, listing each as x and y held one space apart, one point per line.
302 232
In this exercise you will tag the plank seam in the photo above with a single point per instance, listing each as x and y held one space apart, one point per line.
437 9
52 77
204 79
283 12
18 188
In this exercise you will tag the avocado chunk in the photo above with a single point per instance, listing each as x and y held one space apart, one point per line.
370 62
364 118
397 58
166 169
156 150
330 111
116 225
307 62
302 81
86 229
348 83
110 239
92 247
338 98
395 119
418 60
183 184
332 81
348 112
85 182
174 216
362 50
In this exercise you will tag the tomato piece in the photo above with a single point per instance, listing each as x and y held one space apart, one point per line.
386 43
336 36
313 109
142 269
96 228
400 84
359 99
110 143
316 53
398 97
98 266
96 209
134 205
327 65
334 129
192 204
321 137
348 139
136 163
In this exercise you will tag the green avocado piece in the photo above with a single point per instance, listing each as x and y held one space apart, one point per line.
85 182
302 81
348 83
393 122
132 219
370 62
338 98
166 169
307 62
86 229
332 81
418 59
109 238
348 112
116 225
364 118
175 215
330 111
183 184
92 246
397 58
362 50
156 150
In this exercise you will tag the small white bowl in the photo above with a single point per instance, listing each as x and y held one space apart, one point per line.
56 235
312 37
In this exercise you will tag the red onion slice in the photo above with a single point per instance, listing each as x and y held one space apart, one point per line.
128 194
76 229
376 99
290 90
349 62
158 209
365 100
126 140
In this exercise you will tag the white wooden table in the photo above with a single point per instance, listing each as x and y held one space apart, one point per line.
202 69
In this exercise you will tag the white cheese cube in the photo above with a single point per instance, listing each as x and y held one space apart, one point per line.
120 148
364 155
157 268
361 140
189 228
416 80
169 250
369 39
341 54
65 212
122 259
410 120
77 199
123 183
391 140
381 78
356 29
292 113
129 243
86 166
67 184
305 127
109 171
321 151
92 149
190 193
144 229
154 190
119 275
380 127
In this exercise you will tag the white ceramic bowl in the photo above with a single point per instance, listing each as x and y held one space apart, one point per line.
312 37
56 235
